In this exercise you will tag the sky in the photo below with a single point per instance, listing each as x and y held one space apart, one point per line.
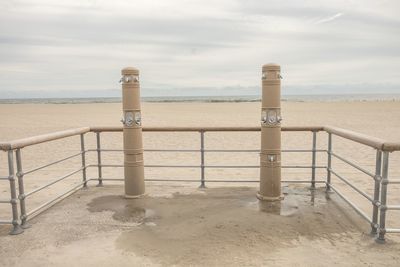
77 48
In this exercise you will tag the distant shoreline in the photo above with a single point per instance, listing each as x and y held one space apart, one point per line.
210 99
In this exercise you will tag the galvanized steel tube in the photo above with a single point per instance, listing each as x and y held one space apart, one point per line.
14 201
377 186
20 175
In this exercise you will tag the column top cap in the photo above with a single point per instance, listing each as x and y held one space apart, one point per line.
271 66
130 71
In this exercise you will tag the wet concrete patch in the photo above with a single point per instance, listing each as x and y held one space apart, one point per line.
224 221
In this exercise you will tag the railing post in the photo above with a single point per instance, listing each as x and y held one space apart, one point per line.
14 201
329 168
314 152
203 182
99 170
377 178
83 154
383 207
21 190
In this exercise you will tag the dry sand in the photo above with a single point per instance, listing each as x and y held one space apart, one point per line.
380 119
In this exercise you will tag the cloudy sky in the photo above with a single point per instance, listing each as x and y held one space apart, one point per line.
77 47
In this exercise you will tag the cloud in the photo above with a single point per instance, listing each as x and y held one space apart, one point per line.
328 19
80 45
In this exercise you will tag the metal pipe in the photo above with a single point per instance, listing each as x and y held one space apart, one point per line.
382 207
394 181
375 204
202 183
393 207
314 147
209 150
54 199
207 129
329 169
5 222
358 210
353 186
5 201
83 160
17 229
99 170
21 190
205 166
213 181
353 165
52 163
392 230
53 182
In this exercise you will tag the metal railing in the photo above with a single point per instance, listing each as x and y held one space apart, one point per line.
380 177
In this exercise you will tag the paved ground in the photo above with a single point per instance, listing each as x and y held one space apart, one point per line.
182 226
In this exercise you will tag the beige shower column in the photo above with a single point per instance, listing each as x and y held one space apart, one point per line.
133 144
270 156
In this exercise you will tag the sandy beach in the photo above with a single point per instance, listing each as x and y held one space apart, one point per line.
380 119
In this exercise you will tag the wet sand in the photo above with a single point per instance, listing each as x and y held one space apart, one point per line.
193 227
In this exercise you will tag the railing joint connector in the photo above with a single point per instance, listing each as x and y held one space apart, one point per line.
384 181
14 201
383 207
11 178
376 203
378 178
22 197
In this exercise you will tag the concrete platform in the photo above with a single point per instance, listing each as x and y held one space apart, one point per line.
183 226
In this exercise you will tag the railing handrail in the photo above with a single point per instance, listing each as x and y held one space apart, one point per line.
356 137
34 140
206 129
347 134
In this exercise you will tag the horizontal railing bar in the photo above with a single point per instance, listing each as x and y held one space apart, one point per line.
52 163
303 150
353 165
172 166
302 167
106 165
231 167
208 129
56 198
358 210
53 182
394 181
205 166
34 140
353 186
106 150
210 181
5 222
392 230
4 178
172 150
5 201
207 150
357 137
393 207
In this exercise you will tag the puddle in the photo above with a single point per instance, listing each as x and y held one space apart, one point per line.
125 210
